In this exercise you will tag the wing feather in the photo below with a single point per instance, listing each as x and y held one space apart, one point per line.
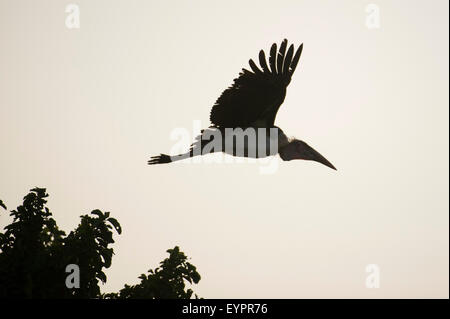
296 58
255 96
272 58
254 66
280 57
288 60
262 61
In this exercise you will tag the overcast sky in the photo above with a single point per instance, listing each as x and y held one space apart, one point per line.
82 110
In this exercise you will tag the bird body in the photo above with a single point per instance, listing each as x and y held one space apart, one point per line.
252 142
243 116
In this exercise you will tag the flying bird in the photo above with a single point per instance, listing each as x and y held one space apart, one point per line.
251 103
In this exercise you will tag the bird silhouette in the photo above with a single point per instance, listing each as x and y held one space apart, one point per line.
242 119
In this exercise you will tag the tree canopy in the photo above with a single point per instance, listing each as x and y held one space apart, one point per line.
34 254
165 282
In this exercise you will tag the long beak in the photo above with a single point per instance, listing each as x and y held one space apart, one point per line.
317 157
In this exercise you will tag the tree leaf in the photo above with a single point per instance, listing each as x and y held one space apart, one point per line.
116 224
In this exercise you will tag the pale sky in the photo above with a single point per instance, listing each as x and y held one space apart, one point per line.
82 110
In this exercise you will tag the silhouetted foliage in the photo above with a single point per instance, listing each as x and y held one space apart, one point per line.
166 281
2 204
34 255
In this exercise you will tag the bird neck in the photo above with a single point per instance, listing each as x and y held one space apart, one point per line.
283 140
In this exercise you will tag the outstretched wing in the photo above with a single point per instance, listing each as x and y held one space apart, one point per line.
255 96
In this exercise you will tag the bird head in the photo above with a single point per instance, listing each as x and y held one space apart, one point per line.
297 149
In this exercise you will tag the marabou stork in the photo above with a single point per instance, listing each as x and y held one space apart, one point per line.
252 101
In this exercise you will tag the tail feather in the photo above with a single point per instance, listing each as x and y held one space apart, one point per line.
159 159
